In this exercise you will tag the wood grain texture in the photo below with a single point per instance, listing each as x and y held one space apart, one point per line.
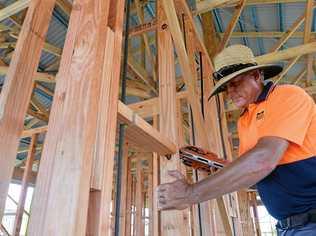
24 185
17 89
206 223
103 213
231 26
156 181
13 9
287 54
172 222
98 213
208 5
62 193
211 138
307 38
125 188
141 133
139 223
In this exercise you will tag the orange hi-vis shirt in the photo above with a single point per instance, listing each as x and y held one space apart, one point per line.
287 112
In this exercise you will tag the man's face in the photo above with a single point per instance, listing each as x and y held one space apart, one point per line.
245 88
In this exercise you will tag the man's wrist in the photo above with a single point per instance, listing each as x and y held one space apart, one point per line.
193 195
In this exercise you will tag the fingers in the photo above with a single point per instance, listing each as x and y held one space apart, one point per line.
170 205
162 188
176 174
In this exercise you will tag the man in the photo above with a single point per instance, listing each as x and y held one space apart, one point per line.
277 135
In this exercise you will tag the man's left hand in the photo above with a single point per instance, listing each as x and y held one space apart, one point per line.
175 195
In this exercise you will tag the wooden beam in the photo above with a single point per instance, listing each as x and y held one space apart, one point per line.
244 213
254 204
124 190
31 123
311 90
210 36
139 224
47 47
172 222
203 224
202 136
44 89
208 5
66 165
140 13
129 205
286 69
37 115
65 6
139 132
150 107
25 150
151 26
13 9
30 132
137 89
290 32
24 185
174 27
266 34
4 230
143 28
40 107
99 214
231 26
287 54
107 116
14 19
39 76
307 38
141 73
18 86
151 202
18 176
156 181
272 34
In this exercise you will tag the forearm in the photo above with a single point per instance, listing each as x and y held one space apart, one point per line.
246 171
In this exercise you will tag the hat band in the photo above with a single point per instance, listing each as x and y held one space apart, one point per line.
227 70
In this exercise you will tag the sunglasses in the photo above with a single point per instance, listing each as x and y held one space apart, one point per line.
227 70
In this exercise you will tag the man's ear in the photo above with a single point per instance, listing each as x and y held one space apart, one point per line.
258 75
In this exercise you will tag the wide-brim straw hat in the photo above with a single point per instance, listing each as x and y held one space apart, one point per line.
236 60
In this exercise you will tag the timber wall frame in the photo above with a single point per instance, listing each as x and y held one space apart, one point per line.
74 186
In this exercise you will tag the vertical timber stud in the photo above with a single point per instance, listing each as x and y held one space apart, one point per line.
24 185
99 221
206 225
104 149
62 195
129 203
203 136
138 198
17 90
307 35
150 194
156 167
244 213
173 223
124 190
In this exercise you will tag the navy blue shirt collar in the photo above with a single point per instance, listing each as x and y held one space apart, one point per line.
267 88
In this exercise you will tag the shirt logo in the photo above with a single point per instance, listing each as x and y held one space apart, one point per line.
260 115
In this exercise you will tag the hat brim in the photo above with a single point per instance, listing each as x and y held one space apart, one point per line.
269 71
